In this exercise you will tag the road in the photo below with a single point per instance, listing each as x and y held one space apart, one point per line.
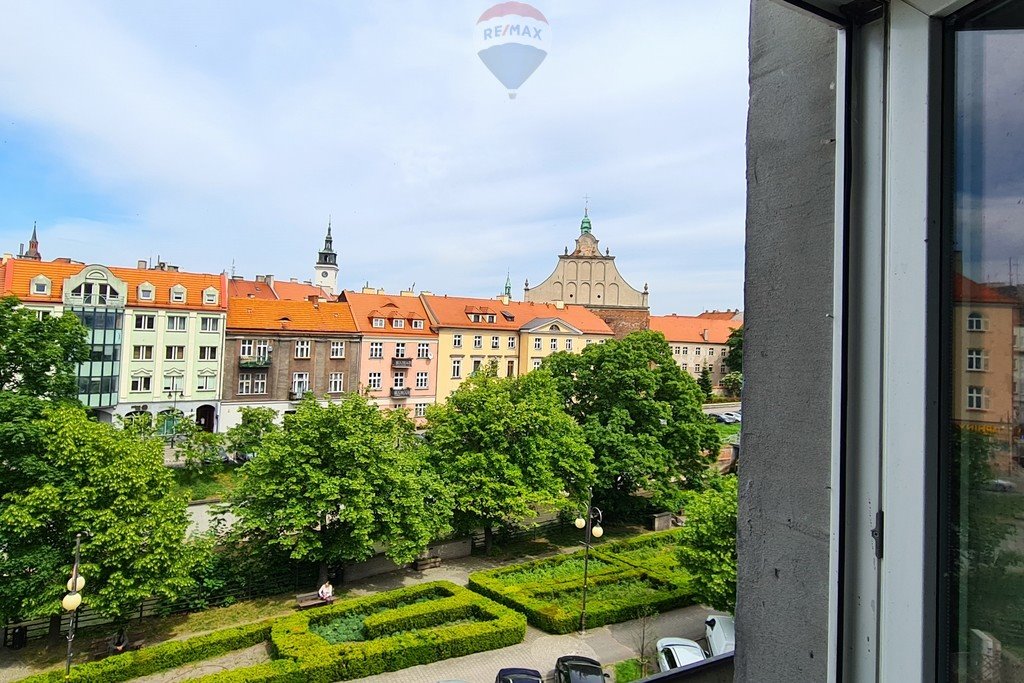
719 408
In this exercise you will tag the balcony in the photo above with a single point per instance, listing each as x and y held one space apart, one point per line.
400 393
254 361
297 394
401 362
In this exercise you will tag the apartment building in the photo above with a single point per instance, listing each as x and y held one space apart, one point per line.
156 333
514 336
698 342
277 351
397 362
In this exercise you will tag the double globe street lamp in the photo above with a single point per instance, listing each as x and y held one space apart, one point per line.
592 523
73 600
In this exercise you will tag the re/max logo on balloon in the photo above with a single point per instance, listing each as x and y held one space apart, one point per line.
513 30
512 39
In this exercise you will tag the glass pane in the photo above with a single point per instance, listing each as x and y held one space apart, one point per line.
986 486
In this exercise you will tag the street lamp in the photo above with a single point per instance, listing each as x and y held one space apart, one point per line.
174 394
73 599
592 523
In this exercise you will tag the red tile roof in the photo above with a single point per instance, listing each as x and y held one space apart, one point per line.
722 315
18 275
297 291
454 311
365 307
249 289
965 289
693 329
301 316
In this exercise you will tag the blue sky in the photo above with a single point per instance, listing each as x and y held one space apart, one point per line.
212 134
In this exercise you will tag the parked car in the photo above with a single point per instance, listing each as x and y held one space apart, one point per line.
676 652
735 417
720 630
515 675
723 418
1000 485
578 669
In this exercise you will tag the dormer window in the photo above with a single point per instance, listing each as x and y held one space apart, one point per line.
177 294
378 322
397 323
417 324
41 285
491 318
210 296
146 292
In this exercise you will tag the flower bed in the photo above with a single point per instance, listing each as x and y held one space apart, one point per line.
402 628
625 580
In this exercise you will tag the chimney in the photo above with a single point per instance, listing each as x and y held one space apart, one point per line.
141 264
314 299
560 305
21 249
293 279
369 290
407 292
426 293
269 279
704 335
237 277
505 298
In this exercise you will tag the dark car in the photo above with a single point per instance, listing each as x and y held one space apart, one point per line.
578 669
519 676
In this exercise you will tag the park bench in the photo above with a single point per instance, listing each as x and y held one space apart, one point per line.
422 563
100 649
307 600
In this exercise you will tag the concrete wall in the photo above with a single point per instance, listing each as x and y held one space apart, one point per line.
783 525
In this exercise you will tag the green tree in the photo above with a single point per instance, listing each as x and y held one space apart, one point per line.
246 437
111 486
708 543
734 359
338 479
705 383
733 384
38 356
506 446
641 414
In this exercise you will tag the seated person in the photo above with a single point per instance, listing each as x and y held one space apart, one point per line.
326 591
119 643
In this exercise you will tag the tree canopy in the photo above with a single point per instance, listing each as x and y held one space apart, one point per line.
504 447
93 478
38 356
708 543
641 414
245 437
705 383
339 479
734 360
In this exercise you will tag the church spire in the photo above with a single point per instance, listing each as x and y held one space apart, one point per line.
508 283
327 255
33 246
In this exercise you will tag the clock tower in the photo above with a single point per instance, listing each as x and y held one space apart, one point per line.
327 265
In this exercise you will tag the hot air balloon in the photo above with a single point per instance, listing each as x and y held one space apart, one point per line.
512 39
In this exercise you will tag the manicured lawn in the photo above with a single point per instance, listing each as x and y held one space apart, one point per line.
628 671
727 430
214 481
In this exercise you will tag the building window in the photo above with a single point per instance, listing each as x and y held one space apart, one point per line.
41 286
375 380
176 323
976 322
336 382
495 342
711 351
478 341
568 344
206 383
173 383
536 343
177 294
245 348
244 384
976 360
397 323
536 363
456 368
423 350
696 351
145 322
208 324
302 348
421 410
675 349
337 349
207 353
476 366
421 380
142 384
684 350
554 344
976 398
376 349
457 341
210 298
145 293
722 369
491 318
683 366
142 352
378 322
259 383
510 371
174 353
398 379
511 342
300 383
417 324
400 350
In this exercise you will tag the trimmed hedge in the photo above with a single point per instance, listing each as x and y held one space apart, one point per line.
539 599
169 655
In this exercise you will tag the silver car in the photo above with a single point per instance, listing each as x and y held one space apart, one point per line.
676 652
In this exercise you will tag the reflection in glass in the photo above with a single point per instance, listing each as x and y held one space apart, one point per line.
986 485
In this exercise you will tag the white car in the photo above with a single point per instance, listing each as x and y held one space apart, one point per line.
720 630
676 652
735 417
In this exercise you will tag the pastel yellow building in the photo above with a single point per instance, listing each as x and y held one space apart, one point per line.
514 336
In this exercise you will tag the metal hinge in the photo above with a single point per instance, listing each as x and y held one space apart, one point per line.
878 533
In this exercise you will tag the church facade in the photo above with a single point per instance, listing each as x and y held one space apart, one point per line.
590 278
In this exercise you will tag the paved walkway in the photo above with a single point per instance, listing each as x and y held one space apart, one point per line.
608 644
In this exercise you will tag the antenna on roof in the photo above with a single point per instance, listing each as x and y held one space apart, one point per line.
232 267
